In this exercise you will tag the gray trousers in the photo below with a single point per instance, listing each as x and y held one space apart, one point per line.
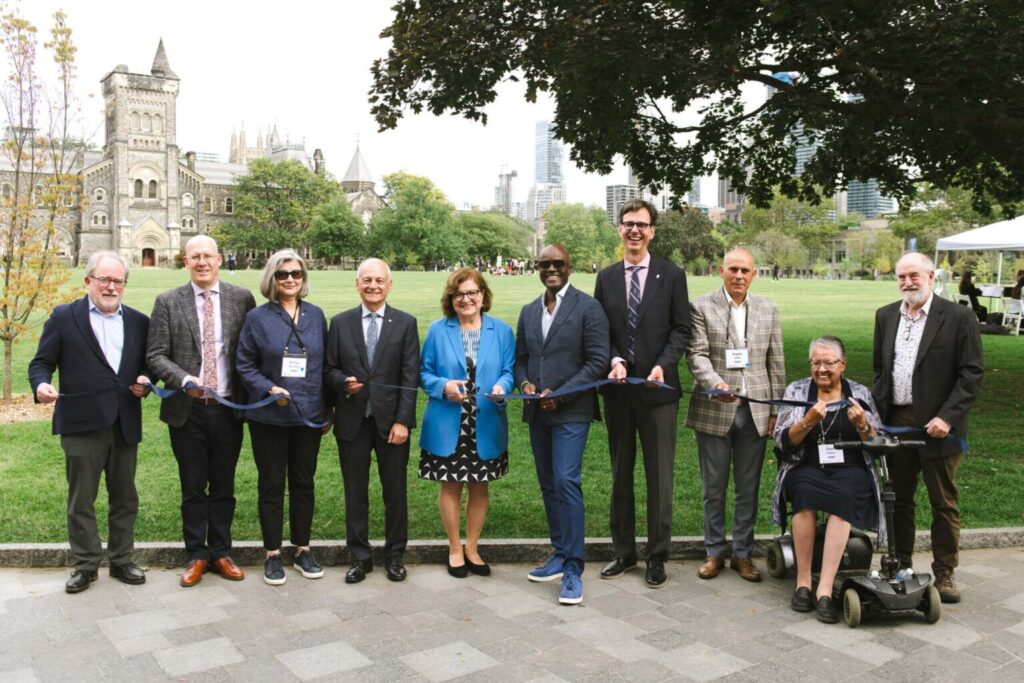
88 456
742 449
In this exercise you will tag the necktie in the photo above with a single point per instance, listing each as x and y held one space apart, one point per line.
371 347
209 343
632 311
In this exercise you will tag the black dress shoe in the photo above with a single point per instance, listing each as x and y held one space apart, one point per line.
655 576
482 569
801 600
395 569
128 573
826 610
79 581
617 567
459 572
358 571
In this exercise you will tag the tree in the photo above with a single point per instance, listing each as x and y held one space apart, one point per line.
902 92
936 213
776 247
275 204
685 236
582 230
418 226
810 226
42 157
489 234
336 232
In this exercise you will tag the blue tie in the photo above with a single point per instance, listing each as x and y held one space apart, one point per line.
633 311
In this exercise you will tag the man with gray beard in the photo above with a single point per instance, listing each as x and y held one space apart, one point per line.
928 371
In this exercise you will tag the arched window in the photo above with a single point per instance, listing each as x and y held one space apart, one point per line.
152 189
138 188
99 219
133 121
158 123
208 204
99 195
229 205
37 197
147 123
188 222
7 191
187 200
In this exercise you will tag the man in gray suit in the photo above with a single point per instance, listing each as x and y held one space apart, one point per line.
736 345
562 341
193 334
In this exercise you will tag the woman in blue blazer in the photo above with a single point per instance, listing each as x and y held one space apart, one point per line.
464 436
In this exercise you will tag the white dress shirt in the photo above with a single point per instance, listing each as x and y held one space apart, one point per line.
547 318
223 366
109 332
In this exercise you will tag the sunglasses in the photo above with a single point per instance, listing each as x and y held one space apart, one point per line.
555 263
282 275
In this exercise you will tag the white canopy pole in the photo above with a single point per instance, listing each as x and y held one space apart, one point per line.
999 276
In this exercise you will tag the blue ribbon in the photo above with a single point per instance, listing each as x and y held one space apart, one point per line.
164 393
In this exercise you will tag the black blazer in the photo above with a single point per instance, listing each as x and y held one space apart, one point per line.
663 330
93 394
575 352
947 373
396 361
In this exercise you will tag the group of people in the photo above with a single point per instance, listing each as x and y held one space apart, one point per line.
301 376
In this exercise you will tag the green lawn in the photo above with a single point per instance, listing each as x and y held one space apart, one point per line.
32 488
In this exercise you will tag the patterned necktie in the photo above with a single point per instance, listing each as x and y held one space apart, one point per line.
371 347
209 343
632 311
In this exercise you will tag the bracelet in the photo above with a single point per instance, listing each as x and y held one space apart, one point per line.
805 427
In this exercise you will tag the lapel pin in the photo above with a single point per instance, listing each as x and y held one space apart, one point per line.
658 276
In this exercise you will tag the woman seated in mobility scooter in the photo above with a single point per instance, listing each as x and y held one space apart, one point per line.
842 483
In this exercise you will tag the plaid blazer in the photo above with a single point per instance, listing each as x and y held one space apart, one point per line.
712 334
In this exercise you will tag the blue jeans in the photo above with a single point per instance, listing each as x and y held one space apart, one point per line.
558 455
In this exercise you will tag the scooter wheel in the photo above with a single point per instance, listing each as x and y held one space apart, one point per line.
775 560
932 606
851 607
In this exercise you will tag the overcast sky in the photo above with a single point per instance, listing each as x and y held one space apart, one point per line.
306 67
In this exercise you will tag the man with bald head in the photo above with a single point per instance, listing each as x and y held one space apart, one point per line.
928 369
193 334
369 346
562 341
735 346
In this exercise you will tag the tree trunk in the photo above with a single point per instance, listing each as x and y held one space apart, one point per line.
8 353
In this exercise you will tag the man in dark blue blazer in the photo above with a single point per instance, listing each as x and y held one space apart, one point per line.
99 347
561 341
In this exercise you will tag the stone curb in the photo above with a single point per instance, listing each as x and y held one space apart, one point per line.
250 553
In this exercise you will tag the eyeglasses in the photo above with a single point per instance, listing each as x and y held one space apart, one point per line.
468 294
282 275
629 225
107 281
827 364
554 263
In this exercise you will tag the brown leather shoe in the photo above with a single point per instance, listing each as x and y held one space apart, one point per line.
227 568
745 566
193 573
710 568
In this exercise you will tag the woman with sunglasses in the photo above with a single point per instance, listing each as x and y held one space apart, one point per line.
281 353
464 435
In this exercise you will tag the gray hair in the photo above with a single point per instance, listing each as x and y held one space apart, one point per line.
828 341
268 285
94 262
366 262
922 259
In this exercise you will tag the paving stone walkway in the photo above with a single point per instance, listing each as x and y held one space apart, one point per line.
500 628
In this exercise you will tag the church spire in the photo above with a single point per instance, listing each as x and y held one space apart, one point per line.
161 67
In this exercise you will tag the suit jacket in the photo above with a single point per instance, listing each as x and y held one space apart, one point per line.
663 330
396 361
947 373
174 349
713 333
576 351
93 394
443 359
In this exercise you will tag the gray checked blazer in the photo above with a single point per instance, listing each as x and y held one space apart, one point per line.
712 334
174 348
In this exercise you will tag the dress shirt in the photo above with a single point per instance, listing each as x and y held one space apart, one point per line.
366 320
109 332
908 339
545 317
223 367
738 314
645 267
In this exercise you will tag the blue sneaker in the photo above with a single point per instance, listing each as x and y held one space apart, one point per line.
572 590
549 571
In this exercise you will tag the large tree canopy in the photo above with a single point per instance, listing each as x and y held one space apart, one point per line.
418 226
901 91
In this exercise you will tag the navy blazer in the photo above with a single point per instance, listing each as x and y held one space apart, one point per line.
576 351
93 395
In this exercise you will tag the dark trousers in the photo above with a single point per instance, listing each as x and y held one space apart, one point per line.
939 476
87 457
628 416
206 448
285 453
558 456
392 462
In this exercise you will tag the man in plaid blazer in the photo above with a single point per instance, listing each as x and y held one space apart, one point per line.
736 345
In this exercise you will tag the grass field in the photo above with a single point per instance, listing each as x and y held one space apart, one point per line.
32 487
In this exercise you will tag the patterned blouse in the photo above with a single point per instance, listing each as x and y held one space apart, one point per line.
471 342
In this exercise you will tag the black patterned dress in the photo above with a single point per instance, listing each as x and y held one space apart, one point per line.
464 465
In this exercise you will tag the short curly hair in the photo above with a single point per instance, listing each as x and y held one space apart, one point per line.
452 287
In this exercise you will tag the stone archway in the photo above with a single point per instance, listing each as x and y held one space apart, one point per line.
150 237
148 257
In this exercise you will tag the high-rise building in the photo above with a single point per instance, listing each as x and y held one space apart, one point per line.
615 197
730 200
548 155
503 192
864 197
693 196
541 196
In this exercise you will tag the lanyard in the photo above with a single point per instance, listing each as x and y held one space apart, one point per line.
294 332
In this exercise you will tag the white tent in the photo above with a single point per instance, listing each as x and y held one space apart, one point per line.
1001 236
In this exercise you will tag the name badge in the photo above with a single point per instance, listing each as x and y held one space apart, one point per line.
829 454
293 365
736 359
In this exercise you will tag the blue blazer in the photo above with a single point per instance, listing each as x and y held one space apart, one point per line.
442 360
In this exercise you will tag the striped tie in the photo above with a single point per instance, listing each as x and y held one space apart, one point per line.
632 311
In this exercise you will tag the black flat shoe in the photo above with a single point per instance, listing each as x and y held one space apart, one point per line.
128 573
618 567
655 575
79 581
459 572
358 571
801 600
826 610
483 569
394 569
